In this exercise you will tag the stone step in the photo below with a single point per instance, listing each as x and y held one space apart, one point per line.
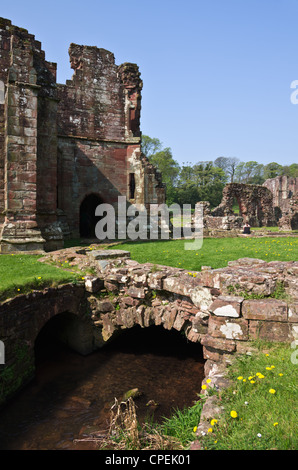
108 254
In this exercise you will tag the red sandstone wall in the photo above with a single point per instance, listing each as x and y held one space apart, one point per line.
28 145
92 103
282 188
59 144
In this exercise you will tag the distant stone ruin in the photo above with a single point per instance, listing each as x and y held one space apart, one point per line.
255 204
285 201
273 203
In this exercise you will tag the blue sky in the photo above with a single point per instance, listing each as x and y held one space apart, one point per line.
216 73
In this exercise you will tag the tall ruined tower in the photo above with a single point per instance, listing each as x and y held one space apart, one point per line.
66 148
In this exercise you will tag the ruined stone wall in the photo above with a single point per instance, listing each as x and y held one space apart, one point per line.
255 204
61 143
208 307
285 201
282 188
28 144
99 134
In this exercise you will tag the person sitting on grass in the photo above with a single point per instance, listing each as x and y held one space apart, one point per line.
246 228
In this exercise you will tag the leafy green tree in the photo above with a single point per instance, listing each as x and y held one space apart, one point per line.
249 173
150 146
201 182
271 170
163 160
291 170
166 164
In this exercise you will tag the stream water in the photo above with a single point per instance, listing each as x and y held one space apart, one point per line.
72 394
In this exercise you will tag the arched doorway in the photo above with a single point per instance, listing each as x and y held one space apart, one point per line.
88 219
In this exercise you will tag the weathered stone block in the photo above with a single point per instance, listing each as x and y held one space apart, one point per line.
221 344
271 331
108 327
105 306
201 297
179 322
227 306
138 292
93 284
293 312
169 318
220 327
265 309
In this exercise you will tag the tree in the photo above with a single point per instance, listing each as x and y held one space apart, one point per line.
201 182
249 173
291 170
166 164
271 170
150 146
228 165
163 160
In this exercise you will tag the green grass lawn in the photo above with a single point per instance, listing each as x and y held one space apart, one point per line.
215 252
260 406
22 273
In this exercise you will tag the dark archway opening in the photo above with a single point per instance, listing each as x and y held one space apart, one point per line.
65 331
88 219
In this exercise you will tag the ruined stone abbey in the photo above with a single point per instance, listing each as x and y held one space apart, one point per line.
64 149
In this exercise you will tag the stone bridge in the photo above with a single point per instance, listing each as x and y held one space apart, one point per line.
217 309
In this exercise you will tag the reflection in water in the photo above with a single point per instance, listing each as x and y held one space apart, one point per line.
72 393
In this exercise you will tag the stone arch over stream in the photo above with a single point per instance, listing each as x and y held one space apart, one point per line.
206 307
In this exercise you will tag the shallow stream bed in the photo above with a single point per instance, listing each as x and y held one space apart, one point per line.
72 394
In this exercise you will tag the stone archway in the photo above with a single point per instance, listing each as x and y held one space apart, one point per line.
88 219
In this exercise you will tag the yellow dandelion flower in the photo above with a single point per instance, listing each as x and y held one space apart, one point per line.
240 377
195 428
275 424
204 387
234 414
208 381
213 422
272 391
210 430
280 374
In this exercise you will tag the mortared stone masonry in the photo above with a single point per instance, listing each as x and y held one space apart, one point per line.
64 149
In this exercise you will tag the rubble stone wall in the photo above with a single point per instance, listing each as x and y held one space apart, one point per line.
222 310
282 188
255 204
61 143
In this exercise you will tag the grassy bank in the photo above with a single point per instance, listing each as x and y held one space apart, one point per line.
22 273
215 252
260 406
259 411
